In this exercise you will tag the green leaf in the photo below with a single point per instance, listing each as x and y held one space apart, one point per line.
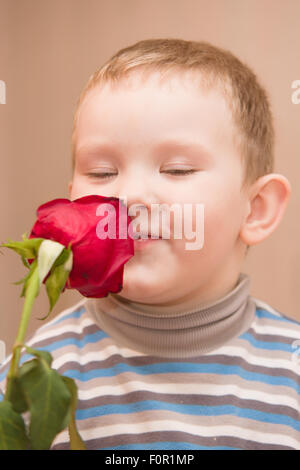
12 429
28 248
45 355
57 281
26 367
49 403
76 443
16 395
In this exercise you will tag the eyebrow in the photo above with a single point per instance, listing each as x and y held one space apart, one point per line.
95 147
189 144
167 144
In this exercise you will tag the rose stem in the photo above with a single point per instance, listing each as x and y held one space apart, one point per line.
31 293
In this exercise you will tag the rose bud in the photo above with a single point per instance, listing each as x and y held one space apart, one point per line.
98 255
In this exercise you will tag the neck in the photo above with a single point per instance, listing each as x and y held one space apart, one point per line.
175 332
197 300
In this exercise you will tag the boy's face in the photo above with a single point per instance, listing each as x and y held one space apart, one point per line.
132 123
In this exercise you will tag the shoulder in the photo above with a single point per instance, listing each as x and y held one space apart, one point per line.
273 330
72 320
66 335
269 315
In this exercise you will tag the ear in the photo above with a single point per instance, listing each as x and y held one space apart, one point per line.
267 200
70 188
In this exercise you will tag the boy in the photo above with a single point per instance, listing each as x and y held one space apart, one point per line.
183 357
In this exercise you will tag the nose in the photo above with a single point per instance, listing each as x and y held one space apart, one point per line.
135 189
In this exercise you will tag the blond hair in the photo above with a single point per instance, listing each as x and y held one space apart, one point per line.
214 66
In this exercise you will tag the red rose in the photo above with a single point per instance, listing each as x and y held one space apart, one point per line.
98 264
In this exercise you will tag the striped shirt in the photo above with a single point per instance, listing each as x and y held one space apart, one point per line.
237 392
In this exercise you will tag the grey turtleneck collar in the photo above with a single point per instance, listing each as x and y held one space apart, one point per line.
155 331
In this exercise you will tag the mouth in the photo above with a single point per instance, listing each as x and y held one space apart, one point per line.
143 243
146 236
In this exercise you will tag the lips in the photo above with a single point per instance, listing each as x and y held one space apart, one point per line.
141 244
146 237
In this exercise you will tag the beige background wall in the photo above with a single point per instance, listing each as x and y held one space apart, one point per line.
49 48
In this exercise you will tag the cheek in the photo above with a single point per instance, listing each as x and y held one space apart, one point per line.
79 189
222 222
82 187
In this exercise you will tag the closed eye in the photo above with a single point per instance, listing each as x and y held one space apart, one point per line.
171 172
101 175
179 172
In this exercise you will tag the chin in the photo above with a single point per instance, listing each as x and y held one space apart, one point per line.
135 292
139 291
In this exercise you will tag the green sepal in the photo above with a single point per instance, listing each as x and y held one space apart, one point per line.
28 275
63 257
28 248
21 281
57 279
25 262
48 253
12 429
26 279
76 443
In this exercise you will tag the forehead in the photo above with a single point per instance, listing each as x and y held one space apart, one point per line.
148 108
163 82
